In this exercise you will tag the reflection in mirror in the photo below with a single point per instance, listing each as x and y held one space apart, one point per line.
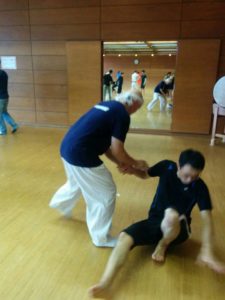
149 66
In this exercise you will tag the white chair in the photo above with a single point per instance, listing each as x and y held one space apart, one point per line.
218 108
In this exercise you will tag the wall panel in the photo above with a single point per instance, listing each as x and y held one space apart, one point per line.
82 15
14 33
137 14
13 4
65 32
52 105
63 3
15 48
48 48
140 31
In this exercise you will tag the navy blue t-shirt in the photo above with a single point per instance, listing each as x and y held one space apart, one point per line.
171 192
91 135
3 85
160 86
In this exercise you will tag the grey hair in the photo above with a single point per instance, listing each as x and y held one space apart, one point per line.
130 97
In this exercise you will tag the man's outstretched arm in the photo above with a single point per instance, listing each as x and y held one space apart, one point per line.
206 255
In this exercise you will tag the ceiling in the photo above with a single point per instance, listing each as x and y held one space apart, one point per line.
141 48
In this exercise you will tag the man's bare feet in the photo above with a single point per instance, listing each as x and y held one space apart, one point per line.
98 291
159 253
211 263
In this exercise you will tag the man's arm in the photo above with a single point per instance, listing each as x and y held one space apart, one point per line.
110 156
123 158
162 92
206 255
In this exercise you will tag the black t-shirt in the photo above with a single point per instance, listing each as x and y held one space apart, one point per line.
107 79
171 192
3 85
143 77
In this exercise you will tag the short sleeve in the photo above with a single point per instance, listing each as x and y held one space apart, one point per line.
121 126
159 168
203 198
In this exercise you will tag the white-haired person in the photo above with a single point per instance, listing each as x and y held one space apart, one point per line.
102 130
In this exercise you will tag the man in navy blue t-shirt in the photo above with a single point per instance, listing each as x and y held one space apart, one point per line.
160 92
169 218
102 130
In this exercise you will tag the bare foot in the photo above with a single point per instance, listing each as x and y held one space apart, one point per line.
97 291
211 263
159 253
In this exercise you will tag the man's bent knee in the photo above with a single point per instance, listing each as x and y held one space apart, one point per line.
171 216
125 238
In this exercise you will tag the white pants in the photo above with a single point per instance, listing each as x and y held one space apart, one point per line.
134 85
99 191
157 97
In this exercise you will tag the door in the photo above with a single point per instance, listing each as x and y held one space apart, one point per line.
84 65
196 71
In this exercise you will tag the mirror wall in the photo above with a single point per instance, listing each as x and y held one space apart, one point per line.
158 60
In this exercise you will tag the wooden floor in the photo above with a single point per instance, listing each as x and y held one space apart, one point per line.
44 257
143 119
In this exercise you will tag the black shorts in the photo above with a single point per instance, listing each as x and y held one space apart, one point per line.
148 232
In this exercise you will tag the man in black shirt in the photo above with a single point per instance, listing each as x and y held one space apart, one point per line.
169 218
143 81
4 99
107 85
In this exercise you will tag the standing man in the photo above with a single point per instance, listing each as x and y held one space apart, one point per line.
102 130
4 99
119 83
107 85
169 218
143 81
134 79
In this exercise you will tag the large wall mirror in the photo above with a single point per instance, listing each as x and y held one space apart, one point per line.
145 65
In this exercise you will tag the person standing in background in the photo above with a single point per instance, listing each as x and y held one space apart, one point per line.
119 83
107 85
134 79
4 100
143 81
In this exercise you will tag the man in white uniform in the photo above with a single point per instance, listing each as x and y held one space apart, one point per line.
134 79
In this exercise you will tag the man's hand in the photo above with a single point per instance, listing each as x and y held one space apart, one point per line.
141 165
211 262
124 169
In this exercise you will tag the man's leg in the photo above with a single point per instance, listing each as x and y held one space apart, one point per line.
153 102
8 118
110 92
104 92
67 196
115 262
170 227
99 192
162 103
3 129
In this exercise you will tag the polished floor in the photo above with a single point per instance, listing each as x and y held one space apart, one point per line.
143 119
46 257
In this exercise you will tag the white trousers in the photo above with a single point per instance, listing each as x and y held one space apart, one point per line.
157 97
99 191
134 85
